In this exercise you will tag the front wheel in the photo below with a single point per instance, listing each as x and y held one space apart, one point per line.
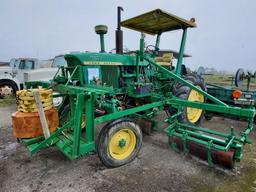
119 142
7 88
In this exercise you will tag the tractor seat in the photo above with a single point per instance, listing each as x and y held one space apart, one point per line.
165 60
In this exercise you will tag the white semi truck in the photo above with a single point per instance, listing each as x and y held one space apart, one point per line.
21 70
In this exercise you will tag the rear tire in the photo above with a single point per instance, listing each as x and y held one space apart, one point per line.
190 115
119 142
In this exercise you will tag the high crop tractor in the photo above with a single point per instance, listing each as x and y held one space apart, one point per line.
126 91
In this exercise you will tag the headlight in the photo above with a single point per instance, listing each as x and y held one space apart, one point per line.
57 101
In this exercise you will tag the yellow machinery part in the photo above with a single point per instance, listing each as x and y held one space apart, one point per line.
26 101
122 144
194 114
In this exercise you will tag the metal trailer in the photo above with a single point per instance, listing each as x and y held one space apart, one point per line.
120 88
236 94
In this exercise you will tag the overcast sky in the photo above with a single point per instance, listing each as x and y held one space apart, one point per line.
224 38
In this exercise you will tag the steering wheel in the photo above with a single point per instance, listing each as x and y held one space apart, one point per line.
151 49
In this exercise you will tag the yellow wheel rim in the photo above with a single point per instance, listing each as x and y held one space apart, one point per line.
122 144
194 114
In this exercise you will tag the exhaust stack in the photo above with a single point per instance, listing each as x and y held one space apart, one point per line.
119 32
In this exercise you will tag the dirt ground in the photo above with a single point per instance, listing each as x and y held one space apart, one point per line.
157 168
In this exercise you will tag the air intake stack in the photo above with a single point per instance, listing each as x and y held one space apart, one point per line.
101 30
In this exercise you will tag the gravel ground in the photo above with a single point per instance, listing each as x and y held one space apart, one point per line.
157 168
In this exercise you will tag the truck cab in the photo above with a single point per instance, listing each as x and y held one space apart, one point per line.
24 63
19 71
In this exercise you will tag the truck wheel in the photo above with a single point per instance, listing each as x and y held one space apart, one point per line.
7 88
119 142
191 115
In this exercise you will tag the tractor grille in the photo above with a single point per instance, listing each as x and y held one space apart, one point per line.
110 75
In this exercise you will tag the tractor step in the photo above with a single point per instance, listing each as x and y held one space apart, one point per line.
63 142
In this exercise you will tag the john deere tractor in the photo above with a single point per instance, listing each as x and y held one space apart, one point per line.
127 91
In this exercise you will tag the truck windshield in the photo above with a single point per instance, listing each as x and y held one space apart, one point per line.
59 62
26 64
14 63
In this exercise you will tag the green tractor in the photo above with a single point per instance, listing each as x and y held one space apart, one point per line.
128 90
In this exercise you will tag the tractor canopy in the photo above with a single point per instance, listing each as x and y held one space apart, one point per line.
157 22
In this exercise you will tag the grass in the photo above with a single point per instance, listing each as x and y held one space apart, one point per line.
226 80
10 100
246 180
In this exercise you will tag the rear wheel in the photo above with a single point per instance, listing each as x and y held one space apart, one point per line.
119 142
191 115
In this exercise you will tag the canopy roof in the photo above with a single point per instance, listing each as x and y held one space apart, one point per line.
156 21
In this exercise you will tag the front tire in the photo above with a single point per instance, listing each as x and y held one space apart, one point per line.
7 88
119 142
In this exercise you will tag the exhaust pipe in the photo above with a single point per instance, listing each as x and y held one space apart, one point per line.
119 32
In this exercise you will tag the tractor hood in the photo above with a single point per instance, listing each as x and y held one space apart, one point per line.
99 59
